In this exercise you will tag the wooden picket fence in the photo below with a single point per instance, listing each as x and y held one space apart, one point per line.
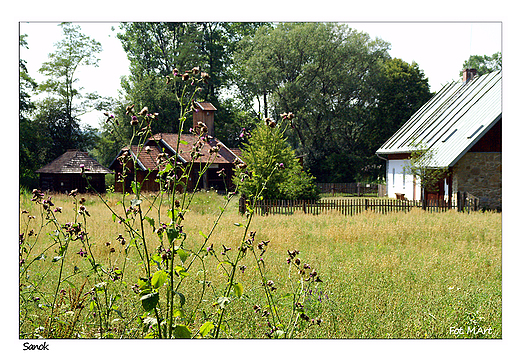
355 189
463 202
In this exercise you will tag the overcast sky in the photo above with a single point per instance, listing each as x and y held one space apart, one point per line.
439 48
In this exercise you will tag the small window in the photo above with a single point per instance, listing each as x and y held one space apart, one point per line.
404 177
393 177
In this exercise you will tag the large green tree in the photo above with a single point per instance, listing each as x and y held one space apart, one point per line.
156 49
327 74
29 135
74 50
483 63
51 126
403 89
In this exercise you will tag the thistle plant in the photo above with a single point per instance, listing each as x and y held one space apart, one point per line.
168 306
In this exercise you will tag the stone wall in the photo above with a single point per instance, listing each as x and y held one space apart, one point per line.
480 173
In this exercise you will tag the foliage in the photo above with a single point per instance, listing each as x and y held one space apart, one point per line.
50 126
75 50
423 166
28 148
483 64
333 77
173 274
402 91
267 147
385 275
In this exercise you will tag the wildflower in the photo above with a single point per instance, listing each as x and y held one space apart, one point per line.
168 80
297 261
134 121
175 72
225 249
270 122
147 149
281 165
185 77
242 268
202 126
144 111
25 211
112 250
73 193
195 70
204 76
82 253
304 317
129 109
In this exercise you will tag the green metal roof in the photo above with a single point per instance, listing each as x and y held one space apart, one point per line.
452 121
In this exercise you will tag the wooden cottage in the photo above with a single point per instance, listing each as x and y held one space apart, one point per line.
462 126
64 173
148 157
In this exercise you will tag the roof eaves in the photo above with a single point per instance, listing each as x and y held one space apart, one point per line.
167 145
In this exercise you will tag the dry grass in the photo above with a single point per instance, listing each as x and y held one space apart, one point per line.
402 275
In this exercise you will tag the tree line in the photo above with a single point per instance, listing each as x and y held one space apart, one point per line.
346 93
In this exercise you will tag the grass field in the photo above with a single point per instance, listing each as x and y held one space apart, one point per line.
402 275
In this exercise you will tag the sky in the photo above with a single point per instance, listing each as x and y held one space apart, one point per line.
439 48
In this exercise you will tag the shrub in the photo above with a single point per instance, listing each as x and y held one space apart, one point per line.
268 149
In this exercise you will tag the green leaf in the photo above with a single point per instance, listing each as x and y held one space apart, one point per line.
182 254
238 289
226 262
279 334
150 221
178 313
203 235
150 301
114 217
136 187
181 271
206 328
182 298
182 142
172 234
181 332
159 278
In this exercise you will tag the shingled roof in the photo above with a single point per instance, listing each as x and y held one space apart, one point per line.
71 161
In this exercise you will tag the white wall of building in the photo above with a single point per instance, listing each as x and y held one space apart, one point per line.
399 180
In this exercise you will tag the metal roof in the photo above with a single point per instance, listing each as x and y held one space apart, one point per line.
452 121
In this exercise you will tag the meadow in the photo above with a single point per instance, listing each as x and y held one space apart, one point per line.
398 275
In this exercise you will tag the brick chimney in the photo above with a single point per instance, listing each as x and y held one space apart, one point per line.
206 114
468 75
